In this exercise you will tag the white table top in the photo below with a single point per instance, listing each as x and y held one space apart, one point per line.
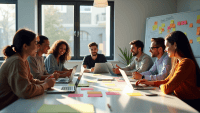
119 103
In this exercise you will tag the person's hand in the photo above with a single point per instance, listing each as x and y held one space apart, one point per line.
92 69
50 81
117 66
144 81
136 75
56 75
68 73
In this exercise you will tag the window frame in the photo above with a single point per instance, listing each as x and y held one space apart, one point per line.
16 15
77 4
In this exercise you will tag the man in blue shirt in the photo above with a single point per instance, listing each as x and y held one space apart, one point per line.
162 64
90 60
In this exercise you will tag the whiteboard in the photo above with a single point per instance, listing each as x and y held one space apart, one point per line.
191 17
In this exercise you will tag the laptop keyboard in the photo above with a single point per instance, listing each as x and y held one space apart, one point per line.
68 88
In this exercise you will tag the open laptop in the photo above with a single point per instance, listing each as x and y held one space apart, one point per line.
100 68
139 87
66 79
65 89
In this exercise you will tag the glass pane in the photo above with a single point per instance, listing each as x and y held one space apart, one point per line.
58 23
94 27
7 25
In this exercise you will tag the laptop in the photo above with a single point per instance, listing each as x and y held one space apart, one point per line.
139 87
66 79
65 89
100 68
110 68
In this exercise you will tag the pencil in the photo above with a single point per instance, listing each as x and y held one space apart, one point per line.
109 107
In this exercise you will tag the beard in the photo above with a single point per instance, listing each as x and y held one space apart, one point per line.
94 54
154 55
134 53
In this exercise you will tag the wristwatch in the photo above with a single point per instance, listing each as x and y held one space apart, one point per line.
143 76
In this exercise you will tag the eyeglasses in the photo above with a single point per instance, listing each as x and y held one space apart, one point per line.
151 48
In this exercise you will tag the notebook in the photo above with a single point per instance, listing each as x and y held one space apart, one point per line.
66 79
139 87
65 89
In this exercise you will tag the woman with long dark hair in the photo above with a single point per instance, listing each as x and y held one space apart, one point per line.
58 54
184 77
15 78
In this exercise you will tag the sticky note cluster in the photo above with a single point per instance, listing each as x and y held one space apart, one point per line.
198 19
155 26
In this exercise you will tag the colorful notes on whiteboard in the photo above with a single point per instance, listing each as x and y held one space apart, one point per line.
191 25
191 41
198 19
172 25
178 23
198 39
163 24
198 30
172 21
154 27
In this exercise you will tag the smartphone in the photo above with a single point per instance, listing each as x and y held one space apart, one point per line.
151 94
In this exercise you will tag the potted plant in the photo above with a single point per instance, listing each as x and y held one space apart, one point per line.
126 56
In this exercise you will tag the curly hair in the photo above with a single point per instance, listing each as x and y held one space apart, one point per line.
55 50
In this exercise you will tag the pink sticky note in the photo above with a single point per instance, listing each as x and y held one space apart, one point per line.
179 23
121 81
182 22
168 27
75 95
116 77
113 93
87 89
94 95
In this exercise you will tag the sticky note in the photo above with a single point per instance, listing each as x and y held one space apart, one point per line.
160 32
191 41
163 25
94 92
116 77
168 31
173 29
198 17
172 25
75 95
110 84
198 39
87 88
83 85
94 95
178 23
198 21
113 93
168 27
185 22
134 94
185 33
182 22
156 23
198 33
198 30
114 89
162 29
172 21
121 81
92 81
154 27
191 25
70 108
106 81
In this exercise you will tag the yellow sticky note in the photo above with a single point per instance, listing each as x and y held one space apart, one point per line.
160 32
91 81
95 74
198 17
198 39
173 29
106 81
172 21
163 24
114 89
134 94
71 108
185 33
160 28
110 84
154 27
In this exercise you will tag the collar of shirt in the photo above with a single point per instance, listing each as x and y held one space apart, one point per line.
139 59
161 59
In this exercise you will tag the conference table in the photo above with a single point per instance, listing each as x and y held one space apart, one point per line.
122 103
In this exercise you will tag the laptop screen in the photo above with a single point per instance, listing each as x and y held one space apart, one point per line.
79 78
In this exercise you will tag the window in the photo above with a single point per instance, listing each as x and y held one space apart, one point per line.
8 25
78 26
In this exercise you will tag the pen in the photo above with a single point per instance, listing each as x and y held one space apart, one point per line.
109 107
137 70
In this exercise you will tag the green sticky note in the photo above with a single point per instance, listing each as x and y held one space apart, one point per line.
154 27
163 24
198 39
83 85
160 32
173 29
172 21
198 17
160 28
70 108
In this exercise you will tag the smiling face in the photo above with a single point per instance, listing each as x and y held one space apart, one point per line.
44 47
93 50
153 50
170 49
32 48
134 50
62 49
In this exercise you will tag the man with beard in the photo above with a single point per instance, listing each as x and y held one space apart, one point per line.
90 60
162 64
141 61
